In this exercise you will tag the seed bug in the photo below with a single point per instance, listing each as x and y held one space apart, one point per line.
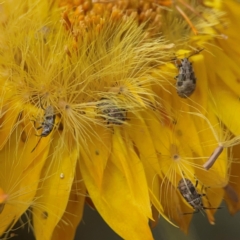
190 194
113 114
186 80
47 124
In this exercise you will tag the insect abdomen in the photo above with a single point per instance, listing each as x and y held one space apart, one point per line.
186 80
190 194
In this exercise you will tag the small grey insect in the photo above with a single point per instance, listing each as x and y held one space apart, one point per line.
190 194
186 80
113 114
47 124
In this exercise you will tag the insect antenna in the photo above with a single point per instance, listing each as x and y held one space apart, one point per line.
196 52
212 208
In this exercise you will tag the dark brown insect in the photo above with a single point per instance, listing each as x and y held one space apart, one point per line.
186 80
111 112
47 124
190 194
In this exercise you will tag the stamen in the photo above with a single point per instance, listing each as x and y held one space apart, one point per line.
207 165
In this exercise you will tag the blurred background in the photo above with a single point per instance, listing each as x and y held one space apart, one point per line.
93 227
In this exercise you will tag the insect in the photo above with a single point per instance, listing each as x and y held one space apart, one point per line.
47 124
186 80
114 114
190 194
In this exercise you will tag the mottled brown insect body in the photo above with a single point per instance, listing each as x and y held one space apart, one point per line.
186 80
47 124
190 194
49 121
114 115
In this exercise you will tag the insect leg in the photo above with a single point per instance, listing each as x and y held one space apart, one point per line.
39 127
204 194
177 63
41 104
196 211
39 135
196 184
34 123
37 143
197 52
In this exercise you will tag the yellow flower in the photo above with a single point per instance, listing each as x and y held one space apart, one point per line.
90 109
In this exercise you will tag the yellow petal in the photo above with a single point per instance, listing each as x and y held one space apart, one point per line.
154 188
228 115
9 115
233 202
114 202
146 149
213 200
19 177
125 158
67 226
175 206
155 214
97 151
54 187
